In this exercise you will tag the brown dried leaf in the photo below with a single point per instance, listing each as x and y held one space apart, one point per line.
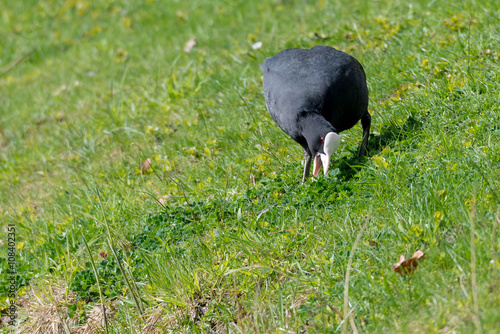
418 254
104 255
145 165
407 266
190 44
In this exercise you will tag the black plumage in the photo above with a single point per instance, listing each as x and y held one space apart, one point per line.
315 94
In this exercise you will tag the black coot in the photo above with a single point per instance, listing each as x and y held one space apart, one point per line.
313 95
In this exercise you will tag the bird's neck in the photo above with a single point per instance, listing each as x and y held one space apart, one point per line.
314 125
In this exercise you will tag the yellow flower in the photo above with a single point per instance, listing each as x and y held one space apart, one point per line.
380 162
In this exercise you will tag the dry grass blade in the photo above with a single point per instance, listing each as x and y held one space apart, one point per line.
17 61
47 312
122 240
118 261
103 311
98 315
494 256
346 284
477 317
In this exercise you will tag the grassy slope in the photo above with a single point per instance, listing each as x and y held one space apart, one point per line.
109 86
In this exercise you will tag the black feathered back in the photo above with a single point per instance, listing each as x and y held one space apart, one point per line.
320 80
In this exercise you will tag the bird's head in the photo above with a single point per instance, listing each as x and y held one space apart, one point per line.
324 150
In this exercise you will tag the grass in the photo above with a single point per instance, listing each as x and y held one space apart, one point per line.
219 235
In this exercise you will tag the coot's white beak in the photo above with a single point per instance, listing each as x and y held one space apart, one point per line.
320 159
331 144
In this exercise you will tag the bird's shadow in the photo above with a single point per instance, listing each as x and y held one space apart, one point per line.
391 133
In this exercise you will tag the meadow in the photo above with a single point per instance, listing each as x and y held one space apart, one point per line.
150 191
